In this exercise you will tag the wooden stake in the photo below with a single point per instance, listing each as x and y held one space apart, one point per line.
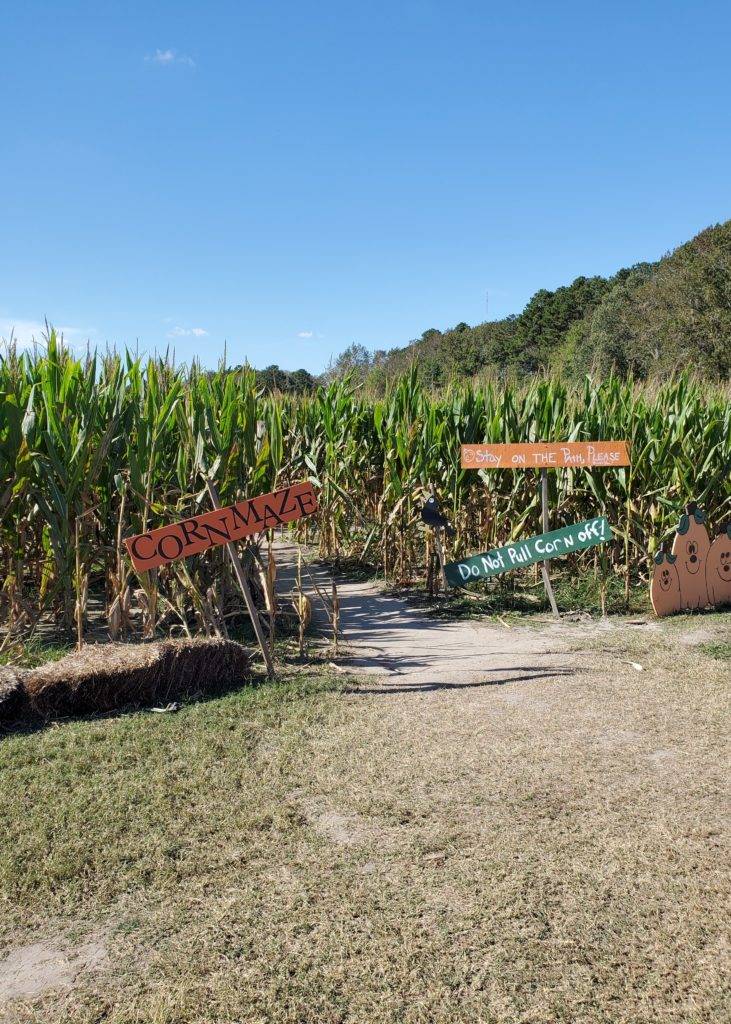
271 575
79 606
336 615
439 548
244 585
300 603
440 556
544 564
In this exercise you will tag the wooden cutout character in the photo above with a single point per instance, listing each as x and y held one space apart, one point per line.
665 585
690 547
718 567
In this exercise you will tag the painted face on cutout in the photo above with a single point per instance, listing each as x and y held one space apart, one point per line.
668 576
718 568
665 585
690 548
693 542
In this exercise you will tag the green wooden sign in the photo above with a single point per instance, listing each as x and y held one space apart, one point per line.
525 552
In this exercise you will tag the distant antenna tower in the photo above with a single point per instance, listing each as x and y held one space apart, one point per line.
487 305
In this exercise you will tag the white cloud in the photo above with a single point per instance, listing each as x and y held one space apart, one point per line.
184 332
167 57
305 334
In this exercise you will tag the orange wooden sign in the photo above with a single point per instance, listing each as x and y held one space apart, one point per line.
546 455
190 536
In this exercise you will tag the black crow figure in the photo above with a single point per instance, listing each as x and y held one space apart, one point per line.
431 515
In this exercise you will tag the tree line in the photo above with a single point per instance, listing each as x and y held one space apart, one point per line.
648 320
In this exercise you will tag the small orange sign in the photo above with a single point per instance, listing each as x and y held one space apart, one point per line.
190 536
546 455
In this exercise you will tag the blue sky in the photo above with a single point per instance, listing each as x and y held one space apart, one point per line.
293 177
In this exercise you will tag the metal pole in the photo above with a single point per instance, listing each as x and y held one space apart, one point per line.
544 564
244 585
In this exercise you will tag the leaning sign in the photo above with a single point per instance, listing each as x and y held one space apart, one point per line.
545 455
222 526
525 552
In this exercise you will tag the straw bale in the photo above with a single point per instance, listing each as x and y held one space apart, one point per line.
102 677
12 694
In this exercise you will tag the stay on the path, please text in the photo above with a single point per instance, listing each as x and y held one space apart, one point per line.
546 455
191 536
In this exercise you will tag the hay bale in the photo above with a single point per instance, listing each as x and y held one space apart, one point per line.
12 695
102 677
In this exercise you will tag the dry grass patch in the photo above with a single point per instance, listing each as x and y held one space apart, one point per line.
535 851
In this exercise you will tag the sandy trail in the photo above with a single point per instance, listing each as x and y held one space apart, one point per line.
408 650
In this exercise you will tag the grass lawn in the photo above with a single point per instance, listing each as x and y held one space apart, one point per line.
544 850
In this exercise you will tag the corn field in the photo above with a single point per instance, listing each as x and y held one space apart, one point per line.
94 449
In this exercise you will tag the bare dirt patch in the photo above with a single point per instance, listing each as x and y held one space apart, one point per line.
35 969
339 827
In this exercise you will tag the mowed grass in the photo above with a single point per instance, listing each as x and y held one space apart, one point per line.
548 849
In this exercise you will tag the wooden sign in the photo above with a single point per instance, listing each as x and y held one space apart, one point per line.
690 547
223 525
665 585
718 568
525 552
546 455
696 573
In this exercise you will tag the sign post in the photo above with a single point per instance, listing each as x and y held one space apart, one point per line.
545 455
438 542
243 585
544 563
224 526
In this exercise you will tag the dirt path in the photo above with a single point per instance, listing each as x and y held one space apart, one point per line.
492 826
407 649
540 811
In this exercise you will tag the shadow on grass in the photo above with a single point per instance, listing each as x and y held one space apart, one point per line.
530 674
511 595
